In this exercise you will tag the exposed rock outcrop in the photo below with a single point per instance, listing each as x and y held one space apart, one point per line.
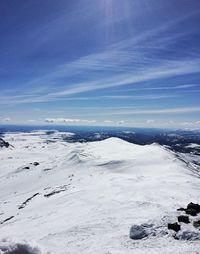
183 218
3 143
174 226
138 232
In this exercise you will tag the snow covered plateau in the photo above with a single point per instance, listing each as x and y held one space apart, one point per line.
82 198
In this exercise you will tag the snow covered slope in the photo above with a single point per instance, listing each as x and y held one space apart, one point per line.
83 198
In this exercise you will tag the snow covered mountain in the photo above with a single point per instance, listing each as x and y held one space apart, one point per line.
70 198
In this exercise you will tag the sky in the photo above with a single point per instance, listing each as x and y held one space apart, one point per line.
100 62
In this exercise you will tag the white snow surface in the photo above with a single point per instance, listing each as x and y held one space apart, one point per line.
94 193
193 145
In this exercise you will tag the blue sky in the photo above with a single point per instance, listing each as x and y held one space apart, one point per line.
100 62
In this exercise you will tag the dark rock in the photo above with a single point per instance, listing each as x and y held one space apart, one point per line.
11 217
26 201
181 209
62 188
183 218
3 143
138 232
188 235
47 169
194 206
196 224
26 167
192 212
174 226
36 163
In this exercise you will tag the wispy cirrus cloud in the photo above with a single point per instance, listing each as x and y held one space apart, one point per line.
177 110
172 87
148 73
138 97
124 63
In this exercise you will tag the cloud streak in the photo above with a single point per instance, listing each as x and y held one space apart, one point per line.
68 120
166 70
177 110
125 63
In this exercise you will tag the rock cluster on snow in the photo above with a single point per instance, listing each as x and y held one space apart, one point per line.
3 143
185 234
182 232
192 209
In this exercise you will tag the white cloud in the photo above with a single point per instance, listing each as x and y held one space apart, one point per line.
121 122
139 97
122 60
185 86
170 122
108 121
172 87
150 121
32 120
163 70
7 119
187 123
68 120
178 110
